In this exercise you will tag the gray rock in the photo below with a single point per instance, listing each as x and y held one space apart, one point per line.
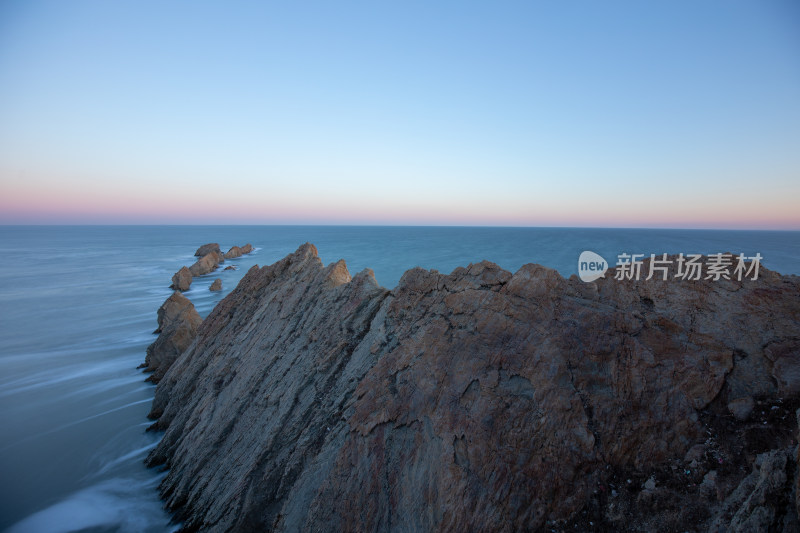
741 408
758 503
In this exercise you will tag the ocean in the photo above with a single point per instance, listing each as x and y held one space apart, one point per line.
78 308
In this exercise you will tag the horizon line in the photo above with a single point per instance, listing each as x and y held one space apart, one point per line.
364 225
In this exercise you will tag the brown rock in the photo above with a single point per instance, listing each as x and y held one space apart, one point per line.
233 253
237 251
182 280
207 263
230 267
478 400
216 285
177 327
207 249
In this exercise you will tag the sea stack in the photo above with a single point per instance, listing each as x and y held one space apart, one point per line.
177 327
483 400
207 249
237 251
182 279
207 263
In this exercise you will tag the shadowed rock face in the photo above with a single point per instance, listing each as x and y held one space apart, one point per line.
177 326
478 400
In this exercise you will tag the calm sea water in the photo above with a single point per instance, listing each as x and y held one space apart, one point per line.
78 307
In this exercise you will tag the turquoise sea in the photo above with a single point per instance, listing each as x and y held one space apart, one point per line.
78 307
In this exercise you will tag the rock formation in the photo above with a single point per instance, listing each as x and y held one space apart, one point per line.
483 401
177 327
182 279
207 249
207 263
216 285
237 251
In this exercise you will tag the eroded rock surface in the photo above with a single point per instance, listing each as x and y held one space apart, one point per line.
182 279
478 400
216 285
207 249
207 263
177 326
237 251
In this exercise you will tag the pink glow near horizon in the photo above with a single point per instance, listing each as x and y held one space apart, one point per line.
77 207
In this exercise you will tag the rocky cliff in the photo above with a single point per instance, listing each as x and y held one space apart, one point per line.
484 401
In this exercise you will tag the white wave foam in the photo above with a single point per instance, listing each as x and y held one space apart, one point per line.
116 504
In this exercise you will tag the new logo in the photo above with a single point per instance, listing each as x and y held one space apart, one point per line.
591 266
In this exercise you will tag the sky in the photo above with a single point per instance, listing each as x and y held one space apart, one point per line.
569 113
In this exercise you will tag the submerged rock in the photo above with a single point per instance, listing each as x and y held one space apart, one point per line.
182 280
216 285
478 400
177 327
207 249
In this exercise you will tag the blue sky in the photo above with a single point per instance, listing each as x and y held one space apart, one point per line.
673 114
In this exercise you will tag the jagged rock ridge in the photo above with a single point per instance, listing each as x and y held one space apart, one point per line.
478 400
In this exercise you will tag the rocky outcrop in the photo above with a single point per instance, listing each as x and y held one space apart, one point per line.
233 253
177 327
237 251
182 280
207 263
207 249
480 400
216 285
761 501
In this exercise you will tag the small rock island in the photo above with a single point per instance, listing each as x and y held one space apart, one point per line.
210 258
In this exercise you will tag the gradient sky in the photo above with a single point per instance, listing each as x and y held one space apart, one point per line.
575 113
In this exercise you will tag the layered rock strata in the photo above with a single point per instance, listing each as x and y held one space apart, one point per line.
482 401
